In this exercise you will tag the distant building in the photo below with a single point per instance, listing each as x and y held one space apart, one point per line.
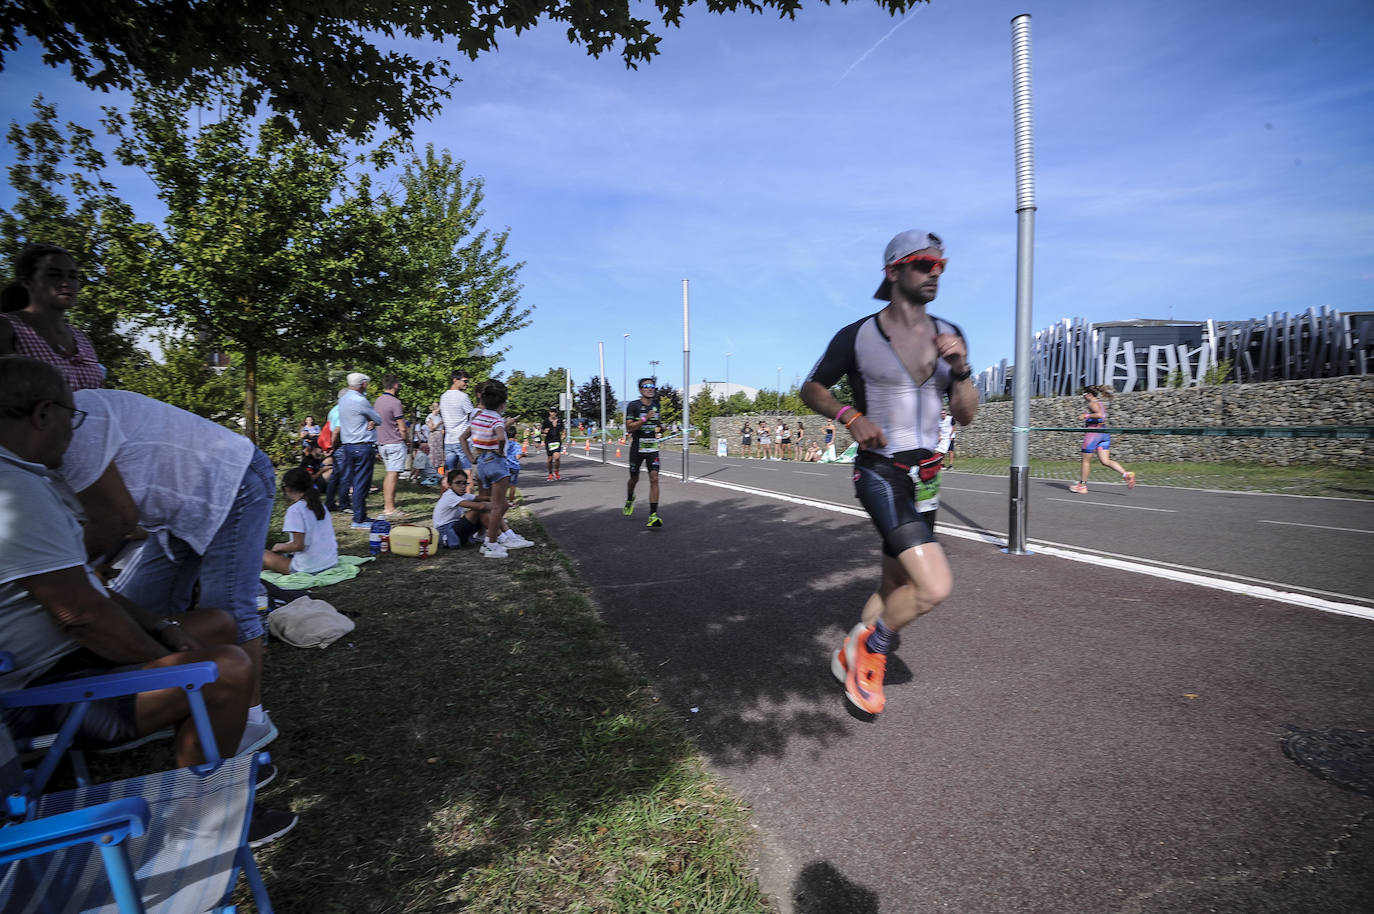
1149 354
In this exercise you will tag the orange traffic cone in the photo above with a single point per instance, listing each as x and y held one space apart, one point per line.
522 449
587 446
617 452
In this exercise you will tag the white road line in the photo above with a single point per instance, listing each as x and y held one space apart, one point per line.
945 488
809 473
1107 504
1289 523
1202 579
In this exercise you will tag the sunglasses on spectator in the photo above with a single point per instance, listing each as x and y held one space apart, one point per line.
78 415
923 264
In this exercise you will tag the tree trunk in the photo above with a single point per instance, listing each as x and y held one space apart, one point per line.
250 394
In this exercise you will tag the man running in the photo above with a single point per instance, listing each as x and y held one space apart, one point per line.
902 363
642 421
552 430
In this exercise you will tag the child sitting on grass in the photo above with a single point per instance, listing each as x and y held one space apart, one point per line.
460 516
312 547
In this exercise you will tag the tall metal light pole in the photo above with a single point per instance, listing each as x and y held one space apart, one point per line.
727 374
624 370
1019 507
601 357
779 388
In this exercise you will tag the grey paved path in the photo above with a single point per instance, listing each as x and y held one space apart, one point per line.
1059 737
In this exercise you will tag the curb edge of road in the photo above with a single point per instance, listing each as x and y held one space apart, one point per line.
1194 577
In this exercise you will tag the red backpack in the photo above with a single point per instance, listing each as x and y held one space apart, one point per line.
326 437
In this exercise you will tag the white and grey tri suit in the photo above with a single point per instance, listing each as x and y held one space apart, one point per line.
909 415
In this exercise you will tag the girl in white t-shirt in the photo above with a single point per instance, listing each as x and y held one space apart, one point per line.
312 548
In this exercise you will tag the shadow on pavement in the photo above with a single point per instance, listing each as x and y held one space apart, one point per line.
821 889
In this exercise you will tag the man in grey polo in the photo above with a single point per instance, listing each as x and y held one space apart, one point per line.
391 442
357 436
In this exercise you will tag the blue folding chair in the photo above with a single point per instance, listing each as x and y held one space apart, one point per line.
167 843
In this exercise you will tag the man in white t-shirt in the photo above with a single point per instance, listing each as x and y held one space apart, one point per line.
455 406
204 495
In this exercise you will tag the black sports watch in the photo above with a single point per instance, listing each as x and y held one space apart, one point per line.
961 375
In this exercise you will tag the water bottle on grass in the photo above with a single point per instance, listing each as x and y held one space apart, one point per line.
379 538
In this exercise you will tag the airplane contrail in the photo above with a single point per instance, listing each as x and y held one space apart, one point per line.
864 55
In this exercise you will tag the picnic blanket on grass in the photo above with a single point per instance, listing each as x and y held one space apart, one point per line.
348 568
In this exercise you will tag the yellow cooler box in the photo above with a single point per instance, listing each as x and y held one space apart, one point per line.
413 539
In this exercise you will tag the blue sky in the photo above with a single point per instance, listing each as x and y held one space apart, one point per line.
1193 161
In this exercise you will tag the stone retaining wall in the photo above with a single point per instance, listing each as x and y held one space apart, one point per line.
1321 401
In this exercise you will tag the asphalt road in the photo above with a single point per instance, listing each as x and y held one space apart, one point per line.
1321 546
1061 736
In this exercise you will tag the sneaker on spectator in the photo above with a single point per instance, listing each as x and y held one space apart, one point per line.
266 774
366 524
493 550
397 515
512 540
255 736
269 824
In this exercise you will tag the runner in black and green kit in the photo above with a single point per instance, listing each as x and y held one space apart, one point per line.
643 420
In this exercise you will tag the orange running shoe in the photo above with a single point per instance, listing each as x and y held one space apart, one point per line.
863 685
1079 488
840 660
1130 479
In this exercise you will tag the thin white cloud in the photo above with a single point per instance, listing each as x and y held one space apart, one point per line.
864 56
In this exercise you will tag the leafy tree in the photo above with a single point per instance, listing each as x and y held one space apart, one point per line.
766 401
532 396
61 198
184 378
703 411
736 404
270 250
460 294
316 61
670 401
587 400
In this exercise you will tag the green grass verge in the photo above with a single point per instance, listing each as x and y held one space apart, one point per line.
482 743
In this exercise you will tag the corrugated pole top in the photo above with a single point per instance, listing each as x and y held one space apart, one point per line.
1025 263
686 384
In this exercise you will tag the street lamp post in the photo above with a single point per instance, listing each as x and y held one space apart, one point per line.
653 369
727 374
624 367
779 388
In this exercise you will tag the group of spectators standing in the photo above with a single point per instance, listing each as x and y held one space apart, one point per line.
783 442
469 443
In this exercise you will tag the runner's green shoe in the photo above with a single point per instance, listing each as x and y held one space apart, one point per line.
655 521
629 508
